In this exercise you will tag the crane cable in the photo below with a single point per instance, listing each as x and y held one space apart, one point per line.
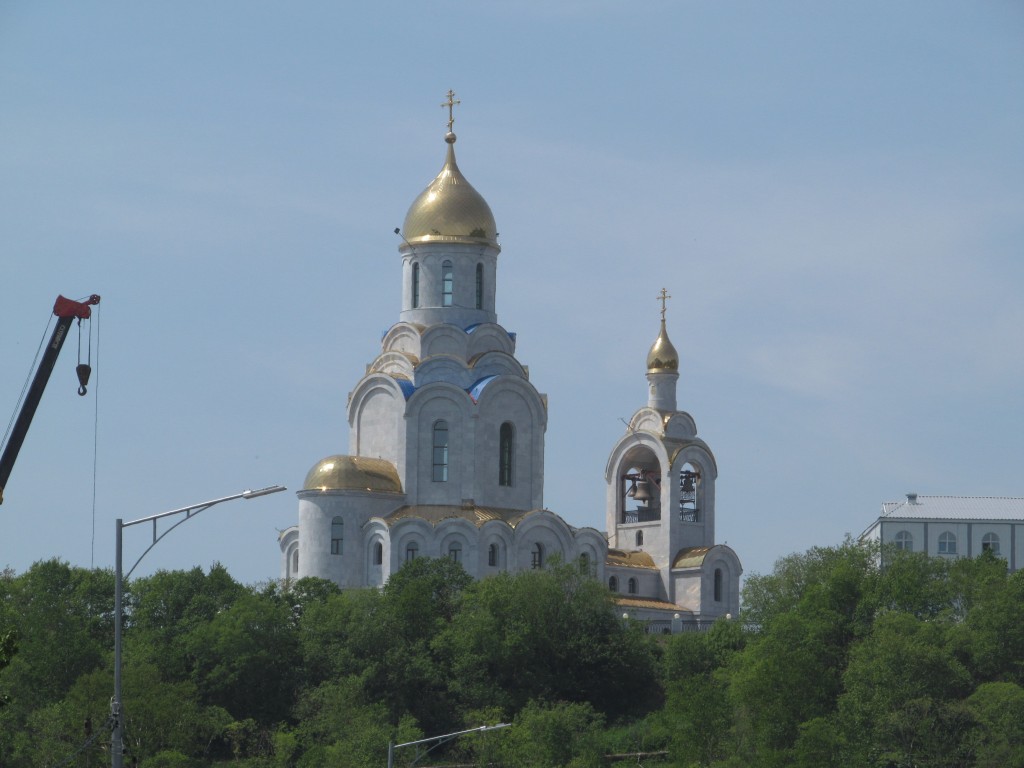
95 423
28 380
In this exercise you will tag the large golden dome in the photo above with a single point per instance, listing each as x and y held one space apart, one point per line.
663 356
353 473
450 210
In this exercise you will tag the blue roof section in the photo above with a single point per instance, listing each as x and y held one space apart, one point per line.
474 326
476 390
408 388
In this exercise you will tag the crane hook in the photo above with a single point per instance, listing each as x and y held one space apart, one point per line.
83 372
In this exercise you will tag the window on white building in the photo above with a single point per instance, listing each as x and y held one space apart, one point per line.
904 541
440 457
947 543
455 551
537 556
479 286
506 449
337 535
632 586
378 554
492 555
718 585
990 543
639 538
412 549
415 286
447 284
613 584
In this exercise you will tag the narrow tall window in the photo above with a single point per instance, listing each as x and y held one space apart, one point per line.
990 543
506 448
440 452
613 584
455 551
447 284
537 556
479 286
905 541
639 538
337 535
585 564
378 554
415 285
295 562
412 549
947 543
718 585
492 555
632 586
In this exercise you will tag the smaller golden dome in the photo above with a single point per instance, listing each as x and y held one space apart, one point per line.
449 210
353 473
663 356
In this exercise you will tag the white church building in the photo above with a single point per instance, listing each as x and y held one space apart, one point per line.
446 448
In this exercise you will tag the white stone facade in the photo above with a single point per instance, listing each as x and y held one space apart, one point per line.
446 448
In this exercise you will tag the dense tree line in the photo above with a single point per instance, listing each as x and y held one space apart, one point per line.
837 662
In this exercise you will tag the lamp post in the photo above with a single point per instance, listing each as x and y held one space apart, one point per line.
443 739
116 745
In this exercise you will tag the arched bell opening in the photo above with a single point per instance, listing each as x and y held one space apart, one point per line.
689 494
640 488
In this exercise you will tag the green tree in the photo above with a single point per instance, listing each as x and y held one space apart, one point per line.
549 635
559 735
903 699
246 658
998 708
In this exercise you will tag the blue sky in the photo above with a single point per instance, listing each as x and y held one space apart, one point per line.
833 193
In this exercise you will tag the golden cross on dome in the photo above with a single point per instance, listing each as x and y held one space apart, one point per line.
452 101
662 297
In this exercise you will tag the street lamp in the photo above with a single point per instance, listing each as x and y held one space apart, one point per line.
116 746
443 739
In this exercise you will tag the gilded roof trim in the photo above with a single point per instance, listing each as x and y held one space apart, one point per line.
633 559
438 513
691 557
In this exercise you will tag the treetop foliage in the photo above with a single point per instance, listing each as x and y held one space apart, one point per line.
836 662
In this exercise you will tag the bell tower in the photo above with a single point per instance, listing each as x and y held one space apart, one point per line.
660 496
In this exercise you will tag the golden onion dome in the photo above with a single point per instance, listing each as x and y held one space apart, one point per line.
449 210
663 356
353 473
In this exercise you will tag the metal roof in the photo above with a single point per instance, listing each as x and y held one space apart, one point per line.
955 508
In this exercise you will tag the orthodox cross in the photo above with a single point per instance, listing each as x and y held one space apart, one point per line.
452 101
662 297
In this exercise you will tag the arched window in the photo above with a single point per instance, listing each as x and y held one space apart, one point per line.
337 535
440 452
585 564
415 285
613 583
378 554
492 555
412 549
455 551
295 562
904 541
990 543
447 284
639 538
632 586
718 585
506 448
947 543
537 556
479 286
